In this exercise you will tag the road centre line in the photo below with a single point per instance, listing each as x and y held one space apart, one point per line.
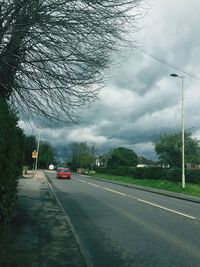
82 181
94 184
117 192
90 183
143 201
161 207
108 189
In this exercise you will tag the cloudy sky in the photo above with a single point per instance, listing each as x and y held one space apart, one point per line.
141 100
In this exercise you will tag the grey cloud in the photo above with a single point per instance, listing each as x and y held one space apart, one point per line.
140 100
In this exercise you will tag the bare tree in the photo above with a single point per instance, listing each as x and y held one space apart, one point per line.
52 52
82 154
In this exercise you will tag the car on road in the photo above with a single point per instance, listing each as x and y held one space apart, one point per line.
63 173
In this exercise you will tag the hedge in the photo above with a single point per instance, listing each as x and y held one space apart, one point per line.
11 159
157 173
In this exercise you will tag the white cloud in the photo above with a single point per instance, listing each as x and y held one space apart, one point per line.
85 135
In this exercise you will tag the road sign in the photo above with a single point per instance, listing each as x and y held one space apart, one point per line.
34 154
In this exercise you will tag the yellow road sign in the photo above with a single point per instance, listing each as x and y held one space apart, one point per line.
34 154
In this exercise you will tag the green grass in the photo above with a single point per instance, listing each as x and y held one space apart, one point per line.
190 189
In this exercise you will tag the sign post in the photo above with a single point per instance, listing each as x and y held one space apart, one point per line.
34 156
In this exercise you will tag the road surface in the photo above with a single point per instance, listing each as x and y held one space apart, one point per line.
120 226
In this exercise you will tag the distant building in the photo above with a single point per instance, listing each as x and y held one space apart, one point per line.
101 161
193 166
143 162
141 166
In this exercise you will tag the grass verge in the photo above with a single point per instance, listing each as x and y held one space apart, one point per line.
190 189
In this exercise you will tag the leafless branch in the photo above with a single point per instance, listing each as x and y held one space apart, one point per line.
53 53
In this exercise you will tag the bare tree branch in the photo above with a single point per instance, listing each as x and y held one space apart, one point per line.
52 53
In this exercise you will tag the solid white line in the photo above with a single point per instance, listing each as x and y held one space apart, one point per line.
117 192
161 207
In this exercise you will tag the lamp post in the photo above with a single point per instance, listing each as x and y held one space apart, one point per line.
182 127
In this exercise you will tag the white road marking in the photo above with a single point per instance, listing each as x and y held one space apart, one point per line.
94 184
108 189
82 181
117 192
161 207
141 200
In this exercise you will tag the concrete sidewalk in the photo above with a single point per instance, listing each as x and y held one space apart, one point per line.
39 235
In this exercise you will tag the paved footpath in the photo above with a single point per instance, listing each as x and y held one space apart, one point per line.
39 235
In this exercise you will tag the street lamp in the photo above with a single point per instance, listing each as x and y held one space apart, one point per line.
182 127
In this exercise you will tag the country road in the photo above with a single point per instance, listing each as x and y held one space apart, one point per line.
120 226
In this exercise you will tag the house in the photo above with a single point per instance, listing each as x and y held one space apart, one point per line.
141 166
193 166
143 162
101 161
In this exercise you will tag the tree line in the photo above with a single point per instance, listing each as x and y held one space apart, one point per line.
167 147
123 161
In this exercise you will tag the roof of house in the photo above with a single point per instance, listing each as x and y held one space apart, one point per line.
143 160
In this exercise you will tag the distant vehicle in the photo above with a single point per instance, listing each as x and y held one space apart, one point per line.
51 167
63 173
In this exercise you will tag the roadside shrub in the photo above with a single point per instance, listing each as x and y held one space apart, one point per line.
192 176
174 174
11 159
119 170
156 173
137 173
91 172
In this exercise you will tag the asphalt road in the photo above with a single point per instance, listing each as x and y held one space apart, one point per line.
120 226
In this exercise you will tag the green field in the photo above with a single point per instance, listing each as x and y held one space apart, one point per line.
190 189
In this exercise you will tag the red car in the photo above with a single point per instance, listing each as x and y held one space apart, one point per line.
64 173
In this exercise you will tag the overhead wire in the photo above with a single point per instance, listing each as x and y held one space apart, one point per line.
172 65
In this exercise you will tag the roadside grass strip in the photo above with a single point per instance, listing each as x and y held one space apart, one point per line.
190 189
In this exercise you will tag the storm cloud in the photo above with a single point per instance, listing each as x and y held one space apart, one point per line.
141 100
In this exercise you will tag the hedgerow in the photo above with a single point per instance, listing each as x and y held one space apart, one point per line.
11 159
156 173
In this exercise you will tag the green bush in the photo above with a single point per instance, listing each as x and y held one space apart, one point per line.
174 174
193 176
11 159
91 172
120 170
149 173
